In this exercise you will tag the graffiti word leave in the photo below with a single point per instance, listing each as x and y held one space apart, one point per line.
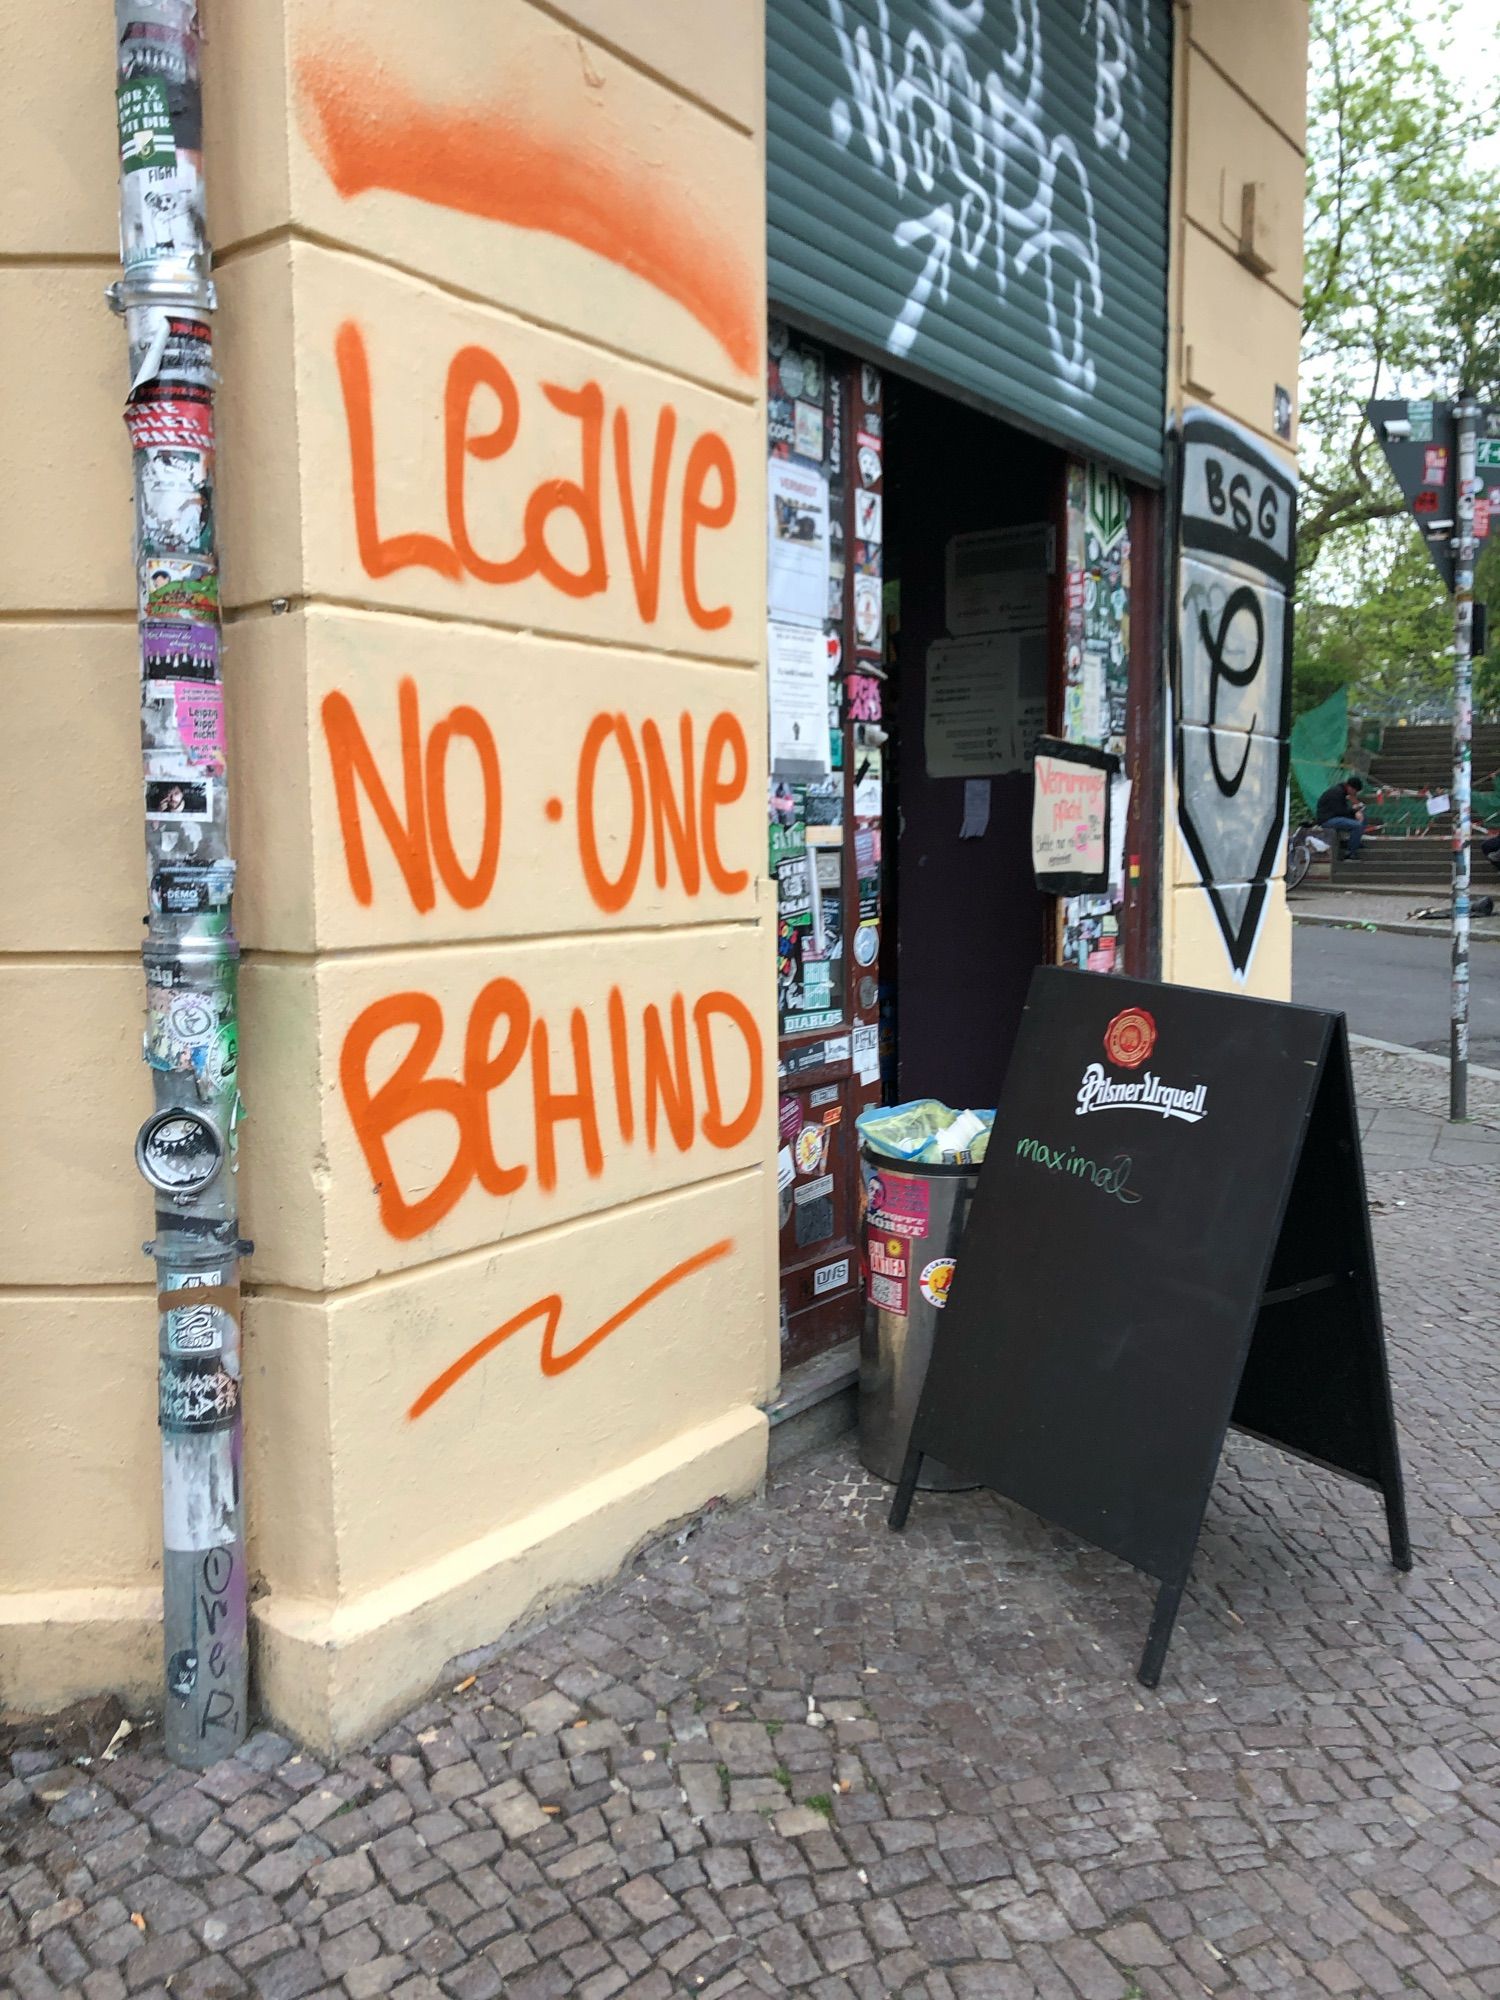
617 509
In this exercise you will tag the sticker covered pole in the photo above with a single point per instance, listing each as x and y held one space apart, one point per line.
1466 416
186 1148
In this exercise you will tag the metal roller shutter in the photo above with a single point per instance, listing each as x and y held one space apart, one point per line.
978 189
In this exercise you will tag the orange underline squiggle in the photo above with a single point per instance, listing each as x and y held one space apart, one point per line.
369 133
550 1310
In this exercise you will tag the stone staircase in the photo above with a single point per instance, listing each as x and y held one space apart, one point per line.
1418 866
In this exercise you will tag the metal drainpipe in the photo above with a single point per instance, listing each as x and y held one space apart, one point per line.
186 1148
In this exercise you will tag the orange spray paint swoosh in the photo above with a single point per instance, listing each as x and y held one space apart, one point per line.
493 163
550 1309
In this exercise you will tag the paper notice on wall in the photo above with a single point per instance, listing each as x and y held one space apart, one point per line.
798 670
869 614
1070 808
797 582
786 1171
997 580
1095 709
1119 813
976 817
1438 803
868 772
867 1055
969 726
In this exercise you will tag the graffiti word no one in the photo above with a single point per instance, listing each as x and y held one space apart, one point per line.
673 796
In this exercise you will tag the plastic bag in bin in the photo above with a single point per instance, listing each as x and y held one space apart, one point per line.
926 1133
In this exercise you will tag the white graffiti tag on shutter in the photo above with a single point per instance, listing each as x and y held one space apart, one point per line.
1116 68
997 188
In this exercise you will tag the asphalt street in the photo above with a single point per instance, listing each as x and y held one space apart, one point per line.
1396 988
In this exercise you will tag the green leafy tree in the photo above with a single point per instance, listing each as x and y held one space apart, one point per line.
1401 293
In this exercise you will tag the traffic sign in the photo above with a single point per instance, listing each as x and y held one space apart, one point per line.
1421 448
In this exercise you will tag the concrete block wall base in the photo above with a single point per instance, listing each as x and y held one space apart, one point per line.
816 1402
333 1674
57 1646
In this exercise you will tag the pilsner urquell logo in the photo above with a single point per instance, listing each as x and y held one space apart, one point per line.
1128 1042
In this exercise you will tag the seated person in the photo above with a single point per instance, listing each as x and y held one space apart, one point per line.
1342 810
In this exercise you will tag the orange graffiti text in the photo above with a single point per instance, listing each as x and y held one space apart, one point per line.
512 1081
498 163
483 518
674 802
549 1311
424 835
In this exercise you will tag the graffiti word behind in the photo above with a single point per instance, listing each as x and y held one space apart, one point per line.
653 1067
499 537
1001 190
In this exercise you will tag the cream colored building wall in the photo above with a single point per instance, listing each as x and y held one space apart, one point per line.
1241 93
80 1537
493 517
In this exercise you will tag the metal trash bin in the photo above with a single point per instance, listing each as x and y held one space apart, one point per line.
914 1216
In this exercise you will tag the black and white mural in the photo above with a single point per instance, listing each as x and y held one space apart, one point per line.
1233 681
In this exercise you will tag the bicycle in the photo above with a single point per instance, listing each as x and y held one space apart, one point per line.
1303 843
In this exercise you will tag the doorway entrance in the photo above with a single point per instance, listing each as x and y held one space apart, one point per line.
915 644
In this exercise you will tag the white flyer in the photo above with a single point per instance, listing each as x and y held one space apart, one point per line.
798 663
969 725
1119 813
797 580
867 1054
997 580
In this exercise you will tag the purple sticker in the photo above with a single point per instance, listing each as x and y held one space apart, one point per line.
174 652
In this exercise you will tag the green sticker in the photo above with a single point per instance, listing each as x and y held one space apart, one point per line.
146 137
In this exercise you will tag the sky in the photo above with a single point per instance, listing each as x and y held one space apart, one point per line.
1474 59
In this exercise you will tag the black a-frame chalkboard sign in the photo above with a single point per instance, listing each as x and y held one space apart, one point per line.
1170 1236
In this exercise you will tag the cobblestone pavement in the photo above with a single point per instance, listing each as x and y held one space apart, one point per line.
792 1753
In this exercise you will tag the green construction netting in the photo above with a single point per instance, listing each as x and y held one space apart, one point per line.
1320 743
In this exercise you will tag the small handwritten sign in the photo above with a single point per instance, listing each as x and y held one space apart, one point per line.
1070 817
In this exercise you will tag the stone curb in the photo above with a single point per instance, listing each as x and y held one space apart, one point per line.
1396 929
1424 1056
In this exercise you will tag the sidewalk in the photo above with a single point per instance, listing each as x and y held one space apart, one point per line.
795 1754
1403 1116
1382 912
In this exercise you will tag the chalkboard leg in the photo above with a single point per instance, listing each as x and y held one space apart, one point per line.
1163 1618
911 1472
1395 1521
